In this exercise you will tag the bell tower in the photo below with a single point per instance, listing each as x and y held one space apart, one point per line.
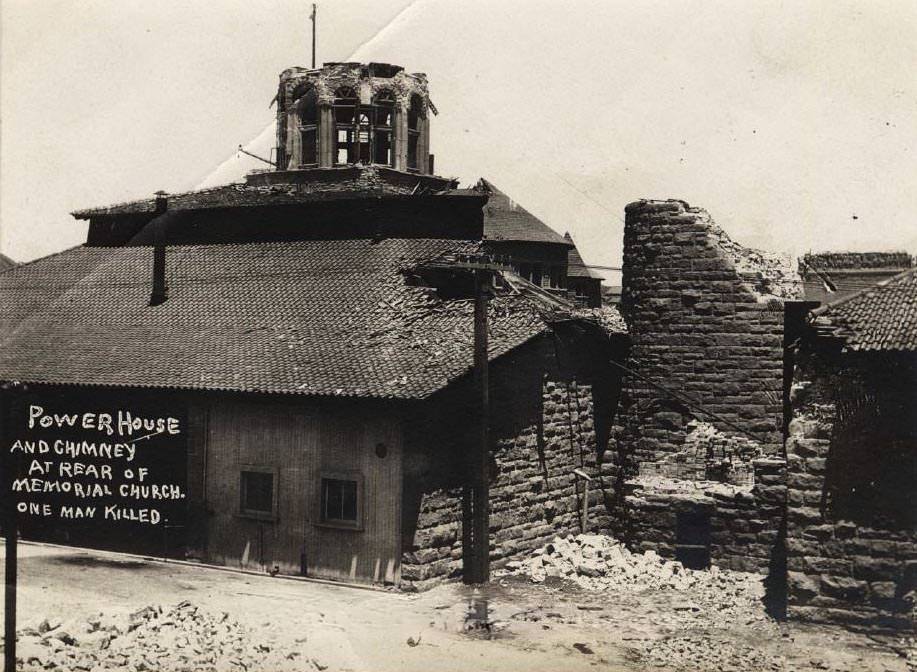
352 113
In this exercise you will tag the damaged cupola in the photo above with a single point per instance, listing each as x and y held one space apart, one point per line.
350 113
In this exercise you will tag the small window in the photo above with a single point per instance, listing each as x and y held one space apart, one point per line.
258 492
340 503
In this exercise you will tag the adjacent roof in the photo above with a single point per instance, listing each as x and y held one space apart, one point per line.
880 318
576 267
831 261
328 317
6 263
287 188
506 220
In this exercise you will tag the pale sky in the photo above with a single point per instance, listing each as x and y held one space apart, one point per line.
793 123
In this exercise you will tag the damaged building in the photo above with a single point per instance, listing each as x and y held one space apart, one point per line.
315 327
312 329
696 467
851 460
764 431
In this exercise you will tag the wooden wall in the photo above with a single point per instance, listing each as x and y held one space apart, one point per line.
300 441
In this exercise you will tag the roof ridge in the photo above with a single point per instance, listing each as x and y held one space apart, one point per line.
44 258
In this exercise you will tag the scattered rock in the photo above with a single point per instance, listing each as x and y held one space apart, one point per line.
181 638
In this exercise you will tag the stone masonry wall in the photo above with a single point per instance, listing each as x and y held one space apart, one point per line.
745 522
543 430
851 519
706 322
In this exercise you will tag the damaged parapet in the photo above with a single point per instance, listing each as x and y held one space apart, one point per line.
349 113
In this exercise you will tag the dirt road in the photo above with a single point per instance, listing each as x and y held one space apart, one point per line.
551 626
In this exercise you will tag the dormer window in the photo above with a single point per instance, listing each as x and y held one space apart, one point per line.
383 120
415 115
345 113
307 114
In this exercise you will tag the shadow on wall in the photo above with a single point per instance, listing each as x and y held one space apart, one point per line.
546 400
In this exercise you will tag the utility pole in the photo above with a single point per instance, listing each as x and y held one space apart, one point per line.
480 499
476 492
312 17
10 531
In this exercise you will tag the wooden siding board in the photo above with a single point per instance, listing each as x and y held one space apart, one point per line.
301 441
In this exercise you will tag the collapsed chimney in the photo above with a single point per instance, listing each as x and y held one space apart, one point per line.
160 292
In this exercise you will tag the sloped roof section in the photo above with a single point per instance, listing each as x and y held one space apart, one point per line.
506 220
576 267
330 318
6 263
880 318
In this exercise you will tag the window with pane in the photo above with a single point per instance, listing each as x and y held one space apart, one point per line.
258 492
341 500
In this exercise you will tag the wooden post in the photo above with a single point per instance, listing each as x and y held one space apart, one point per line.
481 476
10 533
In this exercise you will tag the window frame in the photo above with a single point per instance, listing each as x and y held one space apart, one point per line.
308 126
412 153
320 519
383 100
258 514
342 103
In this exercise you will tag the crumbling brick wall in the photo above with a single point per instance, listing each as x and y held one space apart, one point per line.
543 428
706 322
852 464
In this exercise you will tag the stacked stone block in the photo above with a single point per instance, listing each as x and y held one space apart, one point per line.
534 494
706 322
839 571
745 522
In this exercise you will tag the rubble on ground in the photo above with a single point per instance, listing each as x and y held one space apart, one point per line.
182 638
600 562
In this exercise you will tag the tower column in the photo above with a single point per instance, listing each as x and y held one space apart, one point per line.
399 139
325 136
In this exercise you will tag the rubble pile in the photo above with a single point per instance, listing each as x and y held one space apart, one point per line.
599 562
181 638
699 652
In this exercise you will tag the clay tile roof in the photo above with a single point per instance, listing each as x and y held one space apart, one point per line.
576 267
883 317
506 220
307 317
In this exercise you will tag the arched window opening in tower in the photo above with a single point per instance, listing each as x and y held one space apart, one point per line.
383 118
415 115
364 135
307 112
345 111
